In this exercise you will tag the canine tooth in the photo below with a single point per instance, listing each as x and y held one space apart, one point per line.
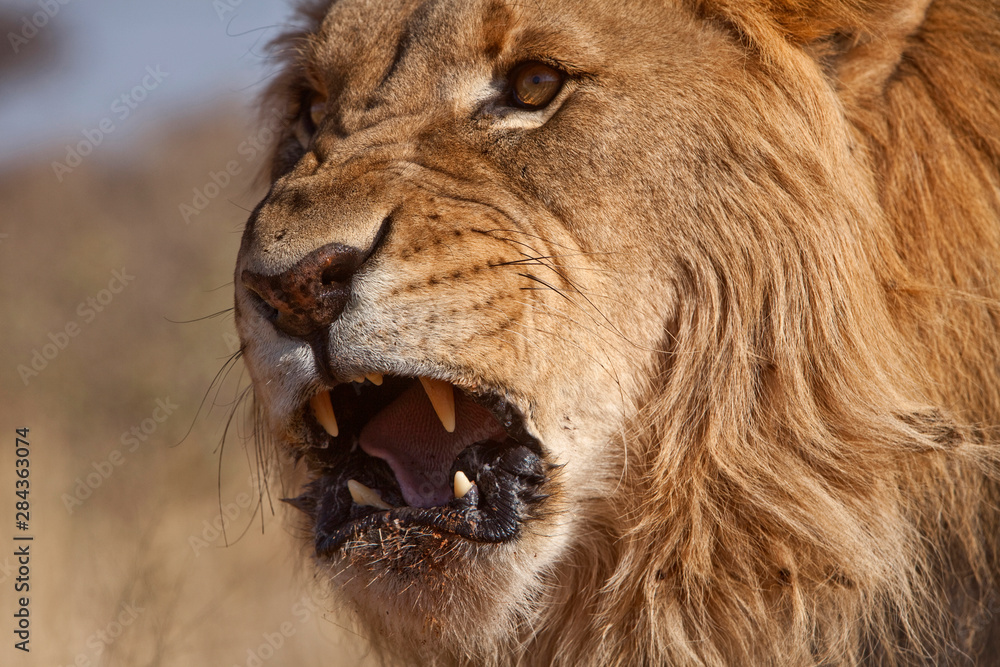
462 484
364 496
442 396
323 409
360 379
376 378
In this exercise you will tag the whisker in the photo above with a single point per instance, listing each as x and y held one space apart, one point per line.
222 446
201 319
490 232
551 287
222 373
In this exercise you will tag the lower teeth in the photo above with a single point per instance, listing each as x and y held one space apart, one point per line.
461 485
366 497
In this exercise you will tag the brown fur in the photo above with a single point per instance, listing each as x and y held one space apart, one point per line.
769 357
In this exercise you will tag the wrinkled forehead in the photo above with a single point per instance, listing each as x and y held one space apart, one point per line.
367 43
447 27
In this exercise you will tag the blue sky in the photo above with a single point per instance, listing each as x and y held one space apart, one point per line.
108 47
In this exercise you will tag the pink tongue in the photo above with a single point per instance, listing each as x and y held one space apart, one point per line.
409 436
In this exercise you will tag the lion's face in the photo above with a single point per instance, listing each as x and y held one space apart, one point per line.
490 226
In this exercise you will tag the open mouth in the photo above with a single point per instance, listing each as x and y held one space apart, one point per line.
403 453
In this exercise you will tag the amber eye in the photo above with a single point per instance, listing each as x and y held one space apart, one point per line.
317 109
535 84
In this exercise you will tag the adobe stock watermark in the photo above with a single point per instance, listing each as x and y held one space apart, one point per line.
302 611
121 108
59 340
103 469
32 25
212 530
217 181
87 311
232 342
225 7
101 639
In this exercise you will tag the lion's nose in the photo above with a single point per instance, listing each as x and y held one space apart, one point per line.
312 294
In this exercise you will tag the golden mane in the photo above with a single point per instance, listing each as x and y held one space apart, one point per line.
820 479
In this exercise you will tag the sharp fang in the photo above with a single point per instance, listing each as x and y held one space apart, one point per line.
323 409
376 378
366 497
360 379
462 484
442 396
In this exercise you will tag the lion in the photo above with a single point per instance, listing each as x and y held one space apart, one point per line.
638 332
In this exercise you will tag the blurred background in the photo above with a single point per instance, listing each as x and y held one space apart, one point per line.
129 147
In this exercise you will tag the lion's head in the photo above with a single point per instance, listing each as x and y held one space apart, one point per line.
630 332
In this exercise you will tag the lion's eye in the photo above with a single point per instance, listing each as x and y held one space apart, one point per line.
317 109
535 84
312 110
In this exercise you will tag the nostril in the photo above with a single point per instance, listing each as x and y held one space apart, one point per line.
269 312
259 294
339 272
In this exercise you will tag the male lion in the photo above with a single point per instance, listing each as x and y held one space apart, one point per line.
640 332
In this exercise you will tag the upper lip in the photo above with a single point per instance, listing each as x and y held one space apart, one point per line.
507 470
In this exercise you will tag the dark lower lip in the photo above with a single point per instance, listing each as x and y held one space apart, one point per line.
509 480
508 490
